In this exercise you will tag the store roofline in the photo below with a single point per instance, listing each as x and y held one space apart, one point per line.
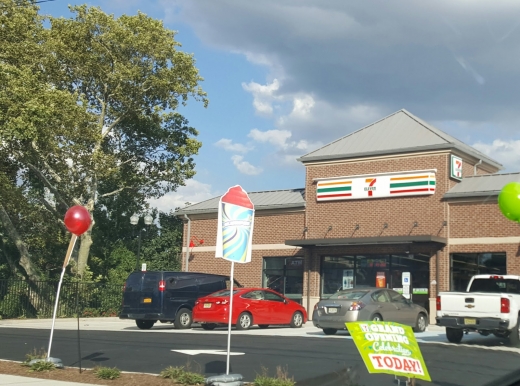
368 241
447 146
491 193
181 212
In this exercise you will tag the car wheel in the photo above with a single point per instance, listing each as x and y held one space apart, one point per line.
208 326
297 320
245 321
263 325
144 324
421 323
377 318
514 335
454 335
329 331
183 319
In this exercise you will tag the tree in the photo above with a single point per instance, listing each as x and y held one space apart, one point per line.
92 114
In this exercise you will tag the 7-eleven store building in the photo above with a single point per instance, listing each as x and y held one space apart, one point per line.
396 196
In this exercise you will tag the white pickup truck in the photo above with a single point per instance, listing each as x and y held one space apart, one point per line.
490 305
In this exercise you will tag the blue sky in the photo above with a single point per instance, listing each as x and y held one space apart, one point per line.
286 77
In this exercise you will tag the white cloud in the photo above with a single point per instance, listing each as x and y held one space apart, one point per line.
193 192
505 152
245 167
263 96
276 138
227 144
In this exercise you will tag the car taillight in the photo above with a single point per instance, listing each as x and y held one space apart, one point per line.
438 303
496 277
504 305
356 306
315 306
124 287
196 302
162 285
222 302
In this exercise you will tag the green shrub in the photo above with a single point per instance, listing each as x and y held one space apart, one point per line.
180 375
42 365
107 372
282 378
189 378
35 354
172 372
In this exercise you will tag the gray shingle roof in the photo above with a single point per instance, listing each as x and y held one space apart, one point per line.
488 185
277 199
400 132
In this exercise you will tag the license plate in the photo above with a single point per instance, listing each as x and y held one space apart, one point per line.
147 300
333 310
470 321
207 305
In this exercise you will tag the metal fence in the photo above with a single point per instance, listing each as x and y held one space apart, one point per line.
24 299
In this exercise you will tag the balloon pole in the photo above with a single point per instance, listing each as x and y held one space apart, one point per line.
65 263
230 322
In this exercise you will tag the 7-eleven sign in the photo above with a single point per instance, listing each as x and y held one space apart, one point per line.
456 167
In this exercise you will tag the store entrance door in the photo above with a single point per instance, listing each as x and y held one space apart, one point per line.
284 275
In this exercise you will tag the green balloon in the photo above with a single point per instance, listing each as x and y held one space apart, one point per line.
509 201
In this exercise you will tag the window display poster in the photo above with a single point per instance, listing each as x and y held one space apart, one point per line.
381 280
348 278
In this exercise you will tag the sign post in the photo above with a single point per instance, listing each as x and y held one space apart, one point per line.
236 215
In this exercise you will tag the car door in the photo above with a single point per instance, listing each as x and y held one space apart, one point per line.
382 305
253 302
279 310
405 312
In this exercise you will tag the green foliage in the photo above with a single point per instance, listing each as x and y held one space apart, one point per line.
42 365
35 354
183 376
88 114
281 379
107 372
172 372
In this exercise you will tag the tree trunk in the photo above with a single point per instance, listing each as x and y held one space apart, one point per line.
25 259
84 251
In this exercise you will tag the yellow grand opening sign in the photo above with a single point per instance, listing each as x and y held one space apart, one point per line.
390 348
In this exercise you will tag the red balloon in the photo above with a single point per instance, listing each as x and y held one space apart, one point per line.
77 220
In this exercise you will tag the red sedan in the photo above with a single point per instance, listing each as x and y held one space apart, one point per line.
251 306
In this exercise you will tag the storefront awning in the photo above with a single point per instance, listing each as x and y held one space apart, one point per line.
367 241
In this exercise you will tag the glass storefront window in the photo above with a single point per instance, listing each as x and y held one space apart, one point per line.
465 265
284 275
372 271
383 271
337 273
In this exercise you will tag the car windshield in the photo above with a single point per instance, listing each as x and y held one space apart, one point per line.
349 295
222 293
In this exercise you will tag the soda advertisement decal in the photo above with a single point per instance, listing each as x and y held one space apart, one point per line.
236 215
388 347
409 183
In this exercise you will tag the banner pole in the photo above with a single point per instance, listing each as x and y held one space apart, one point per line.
65 262
230 316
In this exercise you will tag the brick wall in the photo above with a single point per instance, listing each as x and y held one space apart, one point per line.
479 218
399 213
271 229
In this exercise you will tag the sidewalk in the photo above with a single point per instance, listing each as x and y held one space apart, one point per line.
26 381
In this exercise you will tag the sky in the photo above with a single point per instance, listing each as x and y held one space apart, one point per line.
285 77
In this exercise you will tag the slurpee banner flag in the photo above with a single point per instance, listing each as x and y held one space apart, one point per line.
236 215
388 347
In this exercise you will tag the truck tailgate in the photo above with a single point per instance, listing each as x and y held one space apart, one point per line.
470 304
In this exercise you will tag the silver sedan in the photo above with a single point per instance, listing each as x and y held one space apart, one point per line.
367 304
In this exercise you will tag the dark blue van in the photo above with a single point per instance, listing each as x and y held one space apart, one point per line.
167 296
